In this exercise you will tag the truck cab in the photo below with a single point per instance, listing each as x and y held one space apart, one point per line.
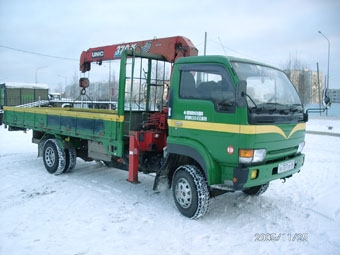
239 122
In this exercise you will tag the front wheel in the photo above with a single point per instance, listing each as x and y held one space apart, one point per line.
190 191
54 157
257 190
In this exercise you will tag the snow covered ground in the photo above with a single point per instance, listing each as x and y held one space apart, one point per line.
94 210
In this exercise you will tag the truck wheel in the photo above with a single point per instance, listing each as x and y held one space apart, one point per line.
54 157
190 191
71 159
257 190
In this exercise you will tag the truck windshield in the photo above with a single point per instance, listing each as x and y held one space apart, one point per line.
269 92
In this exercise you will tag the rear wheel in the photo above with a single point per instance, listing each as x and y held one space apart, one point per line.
190 191
54 157
71 159
257 190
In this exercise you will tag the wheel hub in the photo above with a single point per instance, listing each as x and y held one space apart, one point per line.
183 193
49 156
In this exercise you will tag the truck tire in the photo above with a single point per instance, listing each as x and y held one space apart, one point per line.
257 190
190 191
54 157
71 159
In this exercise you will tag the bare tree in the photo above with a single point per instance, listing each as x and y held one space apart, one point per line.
301 77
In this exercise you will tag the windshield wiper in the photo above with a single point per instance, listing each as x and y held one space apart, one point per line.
270 107
275 107
255 105
295 108
282 108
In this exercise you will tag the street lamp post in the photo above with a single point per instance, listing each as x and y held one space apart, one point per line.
36 72
329 48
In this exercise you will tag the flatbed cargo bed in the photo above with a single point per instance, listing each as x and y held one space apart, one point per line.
91 124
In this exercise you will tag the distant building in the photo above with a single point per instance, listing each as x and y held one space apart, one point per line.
334 95
307 84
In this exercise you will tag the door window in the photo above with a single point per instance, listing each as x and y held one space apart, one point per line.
208 82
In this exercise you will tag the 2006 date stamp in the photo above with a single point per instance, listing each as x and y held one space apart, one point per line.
277 237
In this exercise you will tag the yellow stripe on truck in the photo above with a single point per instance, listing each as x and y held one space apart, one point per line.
69 112
234 128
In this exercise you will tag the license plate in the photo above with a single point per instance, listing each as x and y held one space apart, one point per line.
286 166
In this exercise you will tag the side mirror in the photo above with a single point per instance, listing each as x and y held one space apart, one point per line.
84 83
240 93
327 101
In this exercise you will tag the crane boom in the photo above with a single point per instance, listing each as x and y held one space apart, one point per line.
168 49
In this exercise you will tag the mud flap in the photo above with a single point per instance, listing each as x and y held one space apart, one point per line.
162 181
240 177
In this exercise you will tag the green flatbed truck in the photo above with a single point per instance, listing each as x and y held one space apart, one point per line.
224 124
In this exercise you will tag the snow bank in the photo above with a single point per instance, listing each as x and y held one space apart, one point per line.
94 210
330 125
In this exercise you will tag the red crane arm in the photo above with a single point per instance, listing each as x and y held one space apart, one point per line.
169 49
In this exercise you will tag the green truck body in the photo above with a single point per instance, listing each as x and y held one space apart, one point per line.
228 124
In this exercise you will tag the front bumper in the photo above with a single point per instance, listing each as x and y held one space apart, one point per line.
266 173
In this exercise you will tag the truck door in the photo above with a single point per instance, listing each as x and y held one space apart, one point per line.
203 110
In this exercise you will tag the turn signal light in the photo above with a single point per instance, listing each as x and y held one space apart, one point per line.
246 153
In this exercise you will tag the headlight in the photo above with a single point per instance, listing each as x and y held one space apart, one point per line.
301 146
247 156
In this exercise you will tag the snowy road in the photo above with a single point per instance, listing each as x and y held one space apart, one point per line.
94 210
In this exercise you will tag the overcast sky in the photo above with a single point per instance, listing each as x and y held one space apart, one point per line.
267 31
